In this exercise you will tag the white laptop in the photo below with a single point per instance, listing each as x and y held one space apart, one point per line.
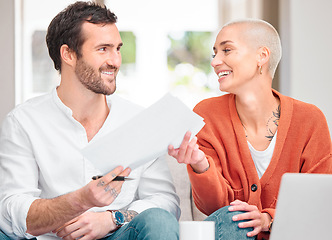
304 208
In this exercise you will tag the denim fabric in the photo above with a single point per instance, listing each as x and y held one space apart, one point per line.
3 236
226 228
152 224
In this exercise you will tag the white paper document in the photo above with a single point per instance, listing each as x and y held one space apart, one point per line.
144 137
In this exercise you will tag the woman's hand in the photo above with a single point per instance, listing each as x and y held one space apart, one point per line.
189 153
257 220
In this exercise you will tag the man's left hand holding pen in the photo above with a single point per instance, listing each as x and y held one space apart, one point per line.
97 193
103 191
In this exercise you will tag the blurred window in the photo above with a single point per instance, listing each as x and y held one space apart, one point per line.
167 47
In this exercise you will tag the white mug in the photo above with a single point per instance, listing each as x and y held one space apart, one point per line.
197 230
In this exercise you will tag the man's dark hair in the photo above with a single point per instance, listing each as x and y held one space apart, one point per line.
66 27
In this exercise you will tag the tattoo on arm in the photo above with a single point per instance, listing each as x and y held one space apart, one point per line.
273 123
128 214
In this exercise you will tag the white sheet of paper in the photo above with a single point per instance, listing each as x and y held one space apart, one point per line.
144 137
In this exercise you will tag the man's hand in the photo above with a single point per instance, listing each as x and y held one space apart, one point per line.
89 225
189 153
102 192
259 221
46 215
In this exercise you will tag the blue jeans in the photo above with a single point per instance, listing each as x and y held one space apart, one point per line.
3 236
226 228
152 224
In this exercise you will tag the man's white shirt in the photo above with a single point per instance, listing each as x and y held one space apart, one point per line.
40 157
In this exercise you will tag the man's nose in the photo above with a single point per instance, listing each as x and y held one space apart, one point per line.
114 59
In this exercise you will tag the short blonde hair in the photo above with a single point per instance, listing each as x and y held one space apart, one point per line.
263 34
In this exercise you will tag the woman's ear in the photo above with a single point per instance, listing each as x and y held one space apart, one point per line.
68 56
263 56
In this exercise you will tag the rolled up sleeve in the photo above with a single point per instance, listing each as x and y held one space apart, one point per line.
18 174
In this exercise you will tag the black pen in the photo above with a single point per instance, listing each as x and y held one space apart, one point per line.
117 178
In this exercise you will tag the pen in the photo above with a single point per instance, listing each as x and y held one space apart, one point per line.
117 178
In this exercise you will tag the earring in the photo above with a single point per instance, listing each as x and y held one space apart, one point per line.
260 70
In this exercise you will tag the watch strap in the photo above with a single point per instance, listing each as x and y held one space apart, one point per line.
270 224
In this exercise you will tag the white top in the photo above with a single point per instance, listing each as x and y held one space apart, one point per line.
40 157
262 159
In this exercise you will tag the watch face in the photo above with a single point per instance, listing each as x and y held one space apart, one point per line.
119 218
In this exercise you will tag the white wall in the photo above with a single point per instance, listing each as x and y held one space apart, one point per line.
7 62
306 32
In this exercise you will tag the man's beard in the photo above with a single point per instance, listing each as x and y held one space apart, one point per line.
91 80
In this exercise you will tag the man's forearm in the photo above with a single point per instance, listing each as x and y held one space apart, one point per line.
45 215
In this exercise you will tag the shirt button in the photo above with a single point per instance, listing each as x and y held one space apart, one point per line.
254 187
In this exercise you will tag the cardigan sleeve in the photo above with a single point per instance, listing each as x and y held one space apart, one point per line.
210 189
317 152
209 193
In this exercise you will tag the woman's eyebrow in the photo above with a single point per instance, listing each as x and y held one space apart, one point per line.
223 43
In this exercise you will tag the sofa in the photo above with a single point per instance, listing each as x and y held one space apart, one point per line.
189 211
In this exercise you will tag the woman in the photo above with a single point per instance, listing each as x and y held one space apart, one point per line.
252 136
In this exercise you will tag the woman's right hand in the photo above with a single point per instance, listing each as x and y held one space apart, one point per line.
189 153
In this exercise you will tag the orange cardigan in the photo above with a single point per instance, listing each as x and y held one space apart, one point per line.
303 145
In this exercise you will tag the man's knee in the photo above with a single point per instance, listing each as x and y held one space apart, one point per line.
158 217
156 223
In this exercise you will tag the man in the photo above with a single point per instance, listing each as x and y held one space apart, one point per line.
46 188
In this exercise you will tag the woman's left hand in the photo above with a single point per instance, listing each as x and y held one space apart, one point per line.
257 220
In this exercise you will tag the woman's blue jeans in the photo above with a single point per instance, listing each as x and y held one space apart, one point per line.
226 228
151 224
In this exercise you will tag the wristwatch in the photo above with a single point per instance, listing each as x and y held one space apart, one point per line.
118 218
